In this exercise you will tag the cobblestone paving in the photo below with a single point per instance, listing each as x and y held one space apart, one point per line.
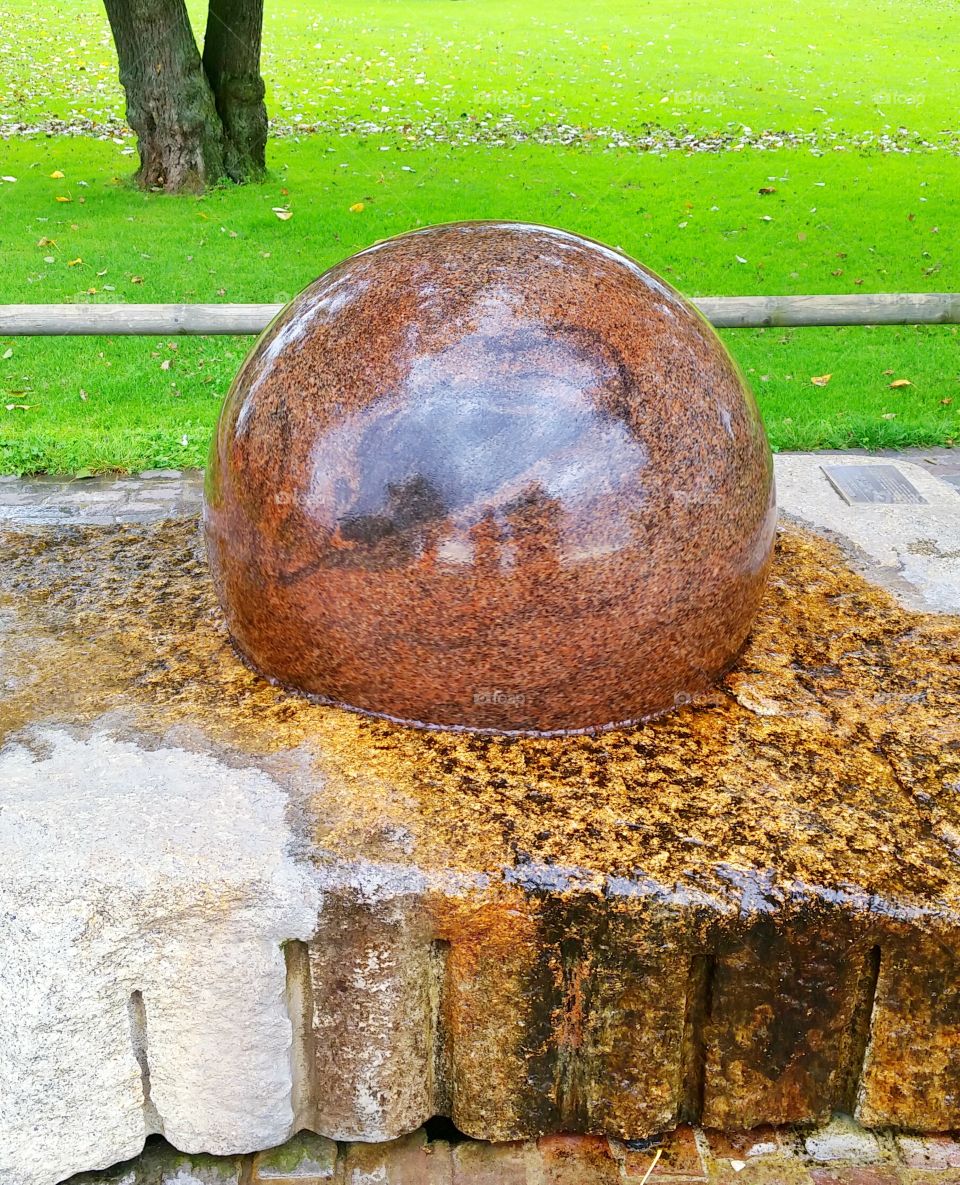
839 1153
144 497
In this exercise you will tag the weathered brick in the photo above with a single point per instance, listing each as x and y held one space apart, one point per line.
674 1157
305 1160
761 1170
843 1140
929 1152
856 1174
745 1144
577 1160
411 1160
160 1164
479 1163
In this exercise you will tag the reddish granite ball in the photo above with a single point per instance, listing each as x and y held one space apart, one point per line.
491 475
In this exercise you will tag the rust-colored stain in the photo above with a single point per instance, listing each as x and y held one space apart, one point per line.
743 911
491 475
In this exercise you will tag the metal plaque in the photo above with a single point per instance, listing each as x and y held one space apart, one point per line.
858 484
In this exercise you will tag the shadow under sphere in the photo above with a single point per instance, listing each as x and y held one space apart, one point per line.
491 475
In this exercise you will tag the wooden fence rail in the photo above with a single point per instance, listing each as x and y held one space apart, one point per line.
725 312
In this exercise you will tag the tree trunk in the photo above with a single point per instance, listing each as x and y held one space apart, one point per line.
231 59
170 105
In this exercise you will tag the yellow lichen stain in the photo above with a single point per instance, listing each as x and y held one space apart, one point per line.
828 753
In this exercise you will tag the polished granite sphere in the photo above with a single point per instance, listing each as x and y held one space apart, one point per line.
495 476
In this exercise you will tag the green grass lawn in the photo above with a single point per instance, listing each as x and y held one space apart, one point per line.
795 65
839 221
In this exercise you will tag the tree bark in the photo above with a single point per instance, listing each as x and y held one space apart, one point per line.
231 59
170 105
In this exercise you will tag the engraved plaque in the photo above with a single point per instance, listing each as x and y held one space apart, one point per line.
859 484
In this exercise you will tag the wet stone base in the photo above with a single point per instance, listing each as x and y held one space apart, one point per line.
229 914
839 1153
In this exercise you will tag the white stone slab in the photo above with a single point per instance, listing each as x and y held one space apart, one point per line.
164 873
912 548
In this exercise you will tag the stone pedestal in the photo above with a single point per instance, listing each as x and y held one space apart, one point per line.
229 914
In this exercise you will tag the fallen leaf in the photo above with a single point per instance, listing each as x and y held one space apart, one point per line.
821 380
74 262
282 214
136 279
10 179
45 242
888 372
8 353
19 406
901 383
165 364
357 208
83 394
765 189
889 415
945 402
57 175
61 198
